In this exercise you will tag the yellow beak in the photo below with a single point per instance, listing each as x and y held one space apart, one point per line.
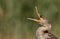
36 20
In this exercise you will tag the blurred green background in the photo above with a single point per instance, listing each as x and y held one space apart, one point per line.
13 14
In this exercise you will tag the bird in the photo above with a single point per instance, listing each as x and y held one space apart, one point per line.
43 32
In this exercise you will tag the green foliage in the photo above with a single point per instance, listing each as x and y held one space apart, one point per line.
14 14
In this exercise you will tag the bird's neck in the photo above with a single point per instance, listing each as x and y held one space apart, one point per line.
48 26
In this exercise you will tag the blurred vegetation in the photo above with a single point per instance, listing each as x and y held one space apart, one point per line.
13 14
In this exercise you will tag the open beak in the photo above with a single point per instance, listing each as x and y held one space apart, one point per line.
36 20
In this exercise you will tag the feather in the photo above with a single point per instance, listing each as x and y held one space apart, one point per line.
51 36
